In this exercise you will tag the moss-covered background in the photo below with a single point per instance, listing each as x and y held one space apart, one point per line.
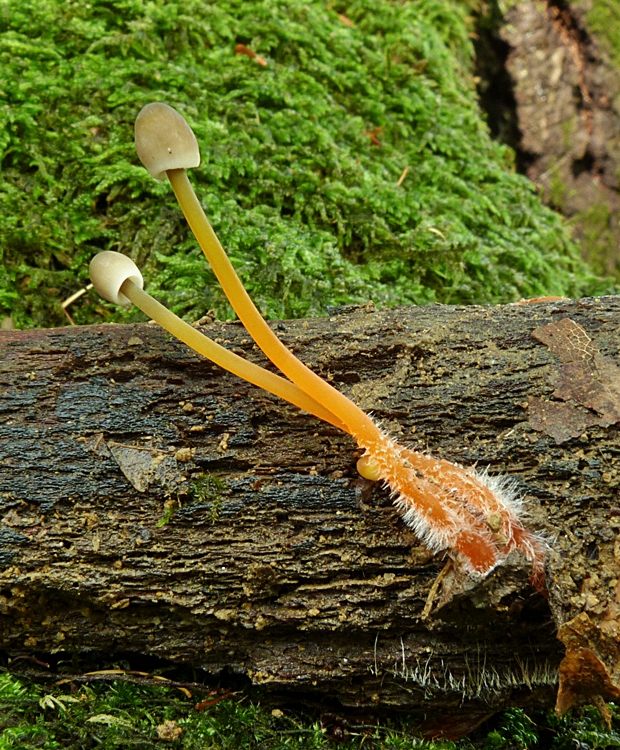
302 158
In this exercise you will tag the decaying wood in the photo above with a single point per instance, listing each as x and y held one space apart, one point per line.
151 503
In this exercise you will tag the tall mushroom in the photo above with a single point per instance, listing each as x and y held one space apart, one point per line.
472 515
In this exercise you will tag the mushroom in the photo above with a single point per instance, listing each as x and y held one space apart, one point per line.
472 515
164 140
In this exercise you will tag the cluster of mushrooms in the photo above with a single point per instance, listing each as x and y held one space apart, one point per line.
473 516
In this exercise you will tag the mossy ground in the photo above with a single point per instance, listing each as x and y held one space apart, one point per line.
126 715
302 158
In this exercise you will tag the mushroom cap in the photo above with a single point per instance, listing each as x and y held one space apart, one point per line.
109 270
164 140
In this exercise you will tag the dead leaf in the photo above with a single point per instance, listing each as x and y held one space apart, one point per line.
596 387
145 467
567 340
588 383
536 300
589 671
374 135
584 679
559 420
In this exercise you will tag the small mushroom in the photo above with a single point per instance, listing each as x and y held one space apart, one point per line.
112 270
152 132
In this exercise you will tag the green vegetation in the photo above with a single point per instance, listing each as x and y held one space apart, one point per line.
170 508
596 226
208 488
126 715
302 158
603 20
582 728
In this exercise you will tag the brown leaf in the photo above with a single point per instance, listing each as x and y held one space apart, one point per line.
584 679
589 671
586 379
567 340
374 135
559 420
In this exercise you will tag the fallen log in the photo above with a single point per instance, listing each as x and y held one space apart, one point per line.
150 503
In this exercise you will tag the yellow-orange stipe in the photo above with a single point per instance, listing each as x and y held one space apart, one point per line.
230 361
117 279
358 422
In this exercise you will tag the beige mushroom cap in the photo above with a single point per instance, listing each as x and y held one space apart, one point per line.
164 140
108 272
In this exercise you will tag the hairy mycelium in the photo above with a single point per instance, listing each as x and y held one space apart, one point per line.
473 516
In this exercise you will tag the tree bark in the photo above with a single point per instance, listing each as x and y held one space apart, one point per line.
566 93
151 503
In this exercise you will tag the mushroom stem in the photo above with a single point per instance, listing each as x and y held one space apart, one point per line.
358 422
117 279
230 361
446 505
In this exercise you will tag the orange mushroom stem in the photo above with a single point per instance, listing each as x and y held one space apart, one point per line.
472 515
117 279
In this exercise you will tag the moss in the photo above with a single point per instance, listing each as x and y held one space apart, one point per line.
300 193
208 488
514 729
170 508
599 237
603 20
126 714
558 190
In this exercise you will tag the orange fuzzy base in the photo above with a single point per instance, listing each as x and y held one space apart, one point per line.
449 507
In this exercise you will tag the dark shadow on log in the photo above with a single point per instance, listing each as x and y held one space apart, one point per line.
151 503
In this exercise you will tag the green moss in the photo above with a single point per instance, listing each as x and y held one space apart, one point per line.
309 209
603 20
170 508
208 488
125 714
599 237
558 189
581 728
514 729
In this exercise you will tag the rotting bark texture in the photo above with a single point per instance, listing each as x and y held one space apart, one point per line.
277 561
567 95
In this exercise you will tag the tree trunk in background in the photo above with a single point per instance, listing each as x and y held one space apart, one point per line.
567 104
152 504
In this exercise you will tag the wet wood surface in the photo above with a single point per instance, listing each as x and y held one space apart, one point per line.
152 504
